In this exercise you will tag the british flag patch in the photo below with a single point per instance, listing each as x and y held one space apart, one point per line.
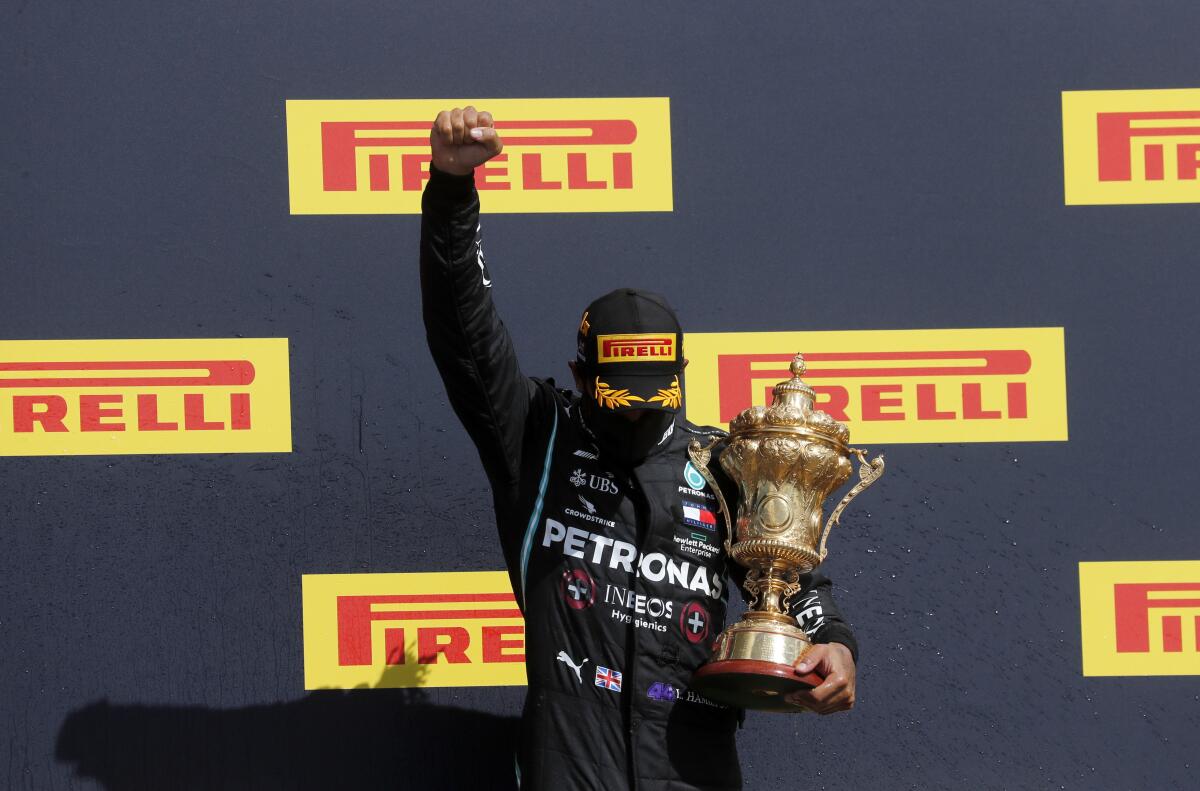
608 679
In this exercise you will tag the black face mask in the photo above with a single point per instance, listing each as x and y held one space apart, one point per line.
628 442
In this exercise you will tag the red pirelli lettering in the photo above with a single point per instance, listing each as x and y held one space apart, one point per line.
1115 135
217 373
340 141
637 347
496 647
738 373
106 412
355 614
92 413
454 649
47 411
1133 605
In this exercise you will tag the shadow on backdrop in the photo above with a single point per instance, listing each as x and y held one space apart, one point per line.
344 739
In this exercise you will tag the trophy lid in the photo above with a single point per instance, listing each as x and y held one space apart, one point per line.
792 411
793 391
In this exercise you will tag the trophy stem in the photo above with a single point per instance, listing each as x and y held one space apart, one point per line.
772 587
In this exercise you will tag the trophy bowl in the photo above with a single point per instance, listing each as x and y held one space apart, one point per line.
786 460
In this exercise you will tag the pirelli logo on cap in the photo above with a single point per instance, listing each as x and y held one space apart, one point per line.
1140 619
635 348
1131 146
560 155
458 629
894 386
87 397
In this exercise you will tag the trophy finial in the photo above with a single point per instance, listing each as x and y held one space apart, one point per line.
793 392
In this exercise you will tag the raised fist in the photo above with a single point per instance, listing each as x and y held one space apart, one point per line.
462 140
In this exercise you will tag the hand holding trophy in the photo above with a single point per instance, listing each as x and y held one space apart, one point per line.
786 459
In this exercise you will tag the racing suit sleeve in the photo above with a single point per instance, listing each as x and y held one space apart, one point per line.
470 344
818 614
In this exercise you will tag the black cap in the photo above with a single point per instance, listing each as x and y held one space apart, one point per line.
631 351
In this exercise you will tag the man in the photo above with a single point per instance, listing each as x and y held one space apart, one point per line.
610 536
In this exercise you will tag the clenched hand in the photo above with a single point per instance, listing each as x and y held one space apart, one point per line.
462 140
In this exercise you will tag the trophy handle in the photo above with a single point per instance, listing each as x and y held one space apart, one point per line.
868 473
700 456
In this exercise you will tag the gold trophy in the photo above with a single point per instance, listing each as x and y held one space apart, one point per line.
785 459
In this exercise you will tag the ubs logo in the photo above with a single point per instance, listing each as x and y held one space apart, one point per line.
579 479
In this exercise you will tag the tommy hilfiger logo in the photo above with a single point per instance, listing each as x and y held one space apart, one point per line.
697 515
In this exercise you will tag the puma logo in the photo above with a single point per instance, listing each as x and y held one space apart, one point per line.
566 660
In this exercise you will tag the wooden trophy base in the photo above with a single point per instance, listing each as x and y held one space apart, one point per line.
752 684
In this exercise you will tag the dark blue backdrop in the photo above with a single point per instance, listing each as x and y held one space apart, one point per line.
908 156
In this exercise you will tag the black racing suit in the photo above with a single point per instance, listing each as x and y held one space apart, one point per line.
620 573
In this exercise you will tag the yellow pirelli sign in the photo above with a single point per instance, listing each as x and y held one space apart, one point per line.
560 155
60 398
893 386
1131 146
1140 618
454 629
